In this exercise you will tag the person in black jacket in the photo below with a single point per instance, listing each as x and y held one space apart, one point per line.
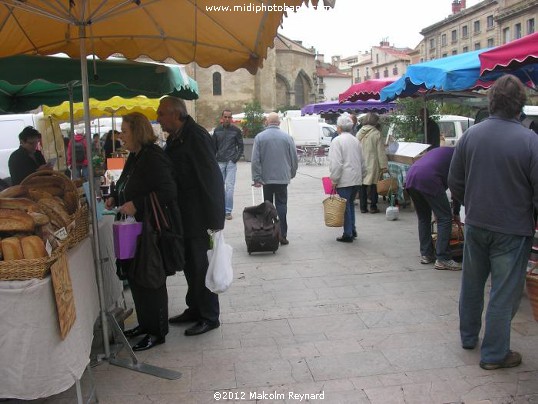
228 141
26 159
201 202
147 170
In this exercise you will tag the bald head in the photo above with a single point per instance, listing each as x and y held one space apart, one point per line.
273 119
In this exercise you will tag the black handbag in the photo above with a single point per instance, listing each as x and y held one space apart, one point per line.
168 223
147 266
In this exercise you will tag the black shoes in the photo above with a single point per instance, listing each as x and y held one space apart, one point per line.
374 210
284 241
185 317
201 327
148 342
354 233
345 239
134 332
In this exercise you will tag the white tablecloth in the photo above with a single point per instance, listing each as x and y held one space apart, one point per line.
35 362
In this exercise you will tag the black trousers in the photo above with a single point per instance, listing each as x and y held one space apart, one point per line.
201 302
277 194
151 308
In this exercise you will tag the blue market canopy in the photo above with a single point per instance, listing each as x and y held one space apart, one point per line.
451 74
356 107
26 82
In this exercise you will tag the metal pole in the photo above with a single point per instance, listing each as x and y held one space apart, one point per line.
72 133
91 198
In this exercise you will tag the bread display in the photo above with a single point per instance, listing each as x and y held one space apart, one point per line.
12 249
56 212
40 219
33 247
14 221
37 194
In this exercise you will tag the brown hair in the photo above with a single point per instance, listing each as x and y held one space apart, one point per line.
141 128
507 97
371 118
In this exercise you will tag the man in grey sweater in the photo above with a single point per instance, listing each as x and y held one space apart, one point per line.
494 173
274 164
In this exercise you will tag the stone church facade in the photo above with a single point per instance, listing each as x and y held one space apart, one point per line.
288 78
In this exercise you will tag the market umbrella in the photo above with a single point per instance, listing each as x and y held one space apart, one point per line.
351 107
451 74
26 82
364 91
519 57
115 106
228 34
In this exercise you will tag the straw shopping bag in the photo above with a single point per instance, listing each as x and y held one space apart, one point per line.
334 208
387 185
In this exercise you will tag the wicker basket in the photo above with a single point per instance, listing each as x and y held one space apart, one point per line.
82 226
334 208
387 186
21 270
532 291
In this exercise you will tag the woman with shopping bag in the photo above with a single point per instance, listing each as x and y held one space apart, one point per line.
147 170
346 167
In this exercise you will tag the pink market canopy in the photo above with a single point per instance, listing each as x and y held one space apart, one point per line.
519 57
367 90
335 107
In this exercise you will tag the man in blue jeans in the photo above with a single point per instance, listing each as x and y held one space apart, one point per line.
228 141
494 172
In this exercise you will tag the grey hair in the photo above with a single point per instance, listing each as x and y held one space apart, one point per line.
177 104
345 123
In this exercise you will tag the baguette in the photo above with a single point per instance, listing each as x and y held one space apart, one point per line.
71 201
12 220
12 249
37 194
40 219
16 191
33 247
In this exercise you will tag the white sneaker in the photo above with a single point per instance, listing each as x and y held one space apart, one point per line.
449 265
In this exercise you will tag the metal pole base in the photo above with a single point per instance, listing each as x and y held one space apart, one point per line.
133 363
145 368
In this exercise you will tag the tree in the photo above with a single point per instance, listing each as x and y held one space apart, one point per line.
254 119
407 124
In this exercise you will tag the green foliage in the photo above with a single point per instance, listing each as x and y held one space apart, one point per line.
288 107
254 118
408 126
450 108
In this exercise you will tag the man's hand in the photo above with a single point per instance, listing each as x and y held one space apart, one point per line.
384 170
257 184
110 203
44 167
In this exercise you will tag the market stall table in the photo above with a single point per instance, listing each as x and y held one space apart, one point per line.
35 361
399 171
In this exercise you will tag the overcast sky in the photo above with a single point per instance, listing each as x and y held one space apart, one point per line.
357 25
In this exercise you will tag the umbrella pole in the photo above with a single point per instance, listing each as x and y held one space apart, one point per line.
72 133
91 198
134 364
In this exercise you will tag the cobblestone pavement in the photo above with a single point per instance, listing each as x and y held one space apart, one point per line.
330 322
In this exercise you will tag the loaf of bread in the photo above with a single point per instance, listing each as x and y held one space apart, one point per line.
33 247
16 191
71 199
40 219
56 212
36 194
24 204
12 220
12 249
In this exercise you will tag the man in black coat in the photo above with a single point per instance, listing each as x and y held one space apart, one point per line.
26 159
201 201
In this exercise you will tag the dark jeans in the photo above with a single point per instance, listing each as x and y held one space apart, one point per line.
277 194
364 190
504 257
440 205
349 193
201 302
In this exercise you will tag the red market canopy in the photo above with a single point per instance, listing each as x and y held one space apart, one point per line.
367 90
519 57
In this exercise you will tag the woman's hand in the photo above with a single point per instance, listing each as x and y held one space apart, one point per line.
110 203
128 209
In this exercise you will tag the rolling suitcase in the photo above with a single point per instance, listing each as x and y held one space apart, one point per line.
262 228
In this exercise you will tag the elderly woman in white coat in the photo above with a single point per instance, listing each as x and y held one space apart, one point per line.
346 167
375 159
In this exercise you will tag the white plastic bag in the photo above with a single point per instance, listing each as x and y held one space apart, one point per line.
392 213
219 275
